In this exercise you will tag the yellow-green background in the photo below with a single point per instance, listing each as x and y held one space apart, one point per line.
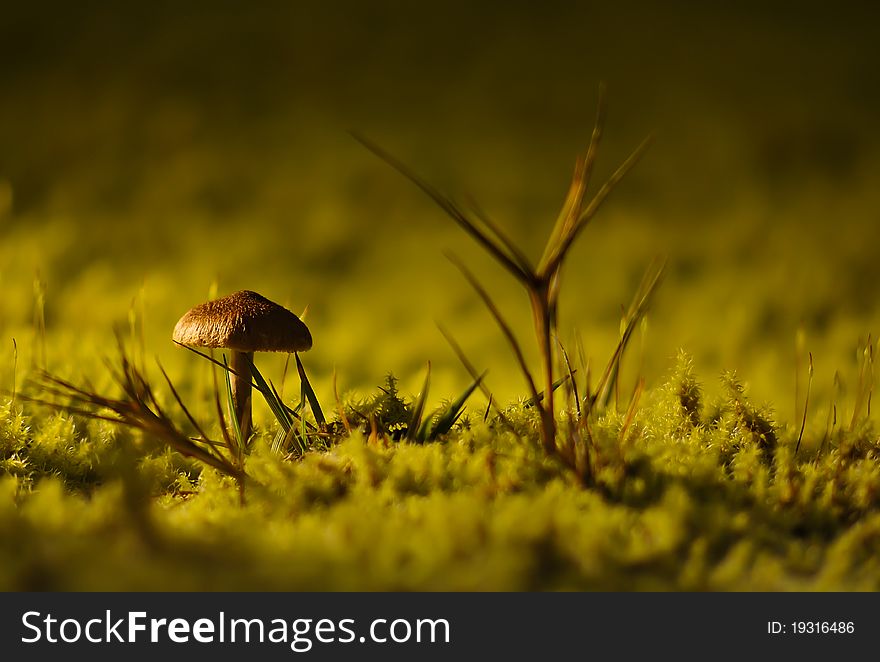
151 150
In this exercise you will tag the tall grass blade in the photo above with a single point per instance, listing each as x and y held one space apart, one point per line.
221 417
502 324
539 397
180 403
571 208
491 403
277 402
284 375
278 440
415 421
571 380
233 416
309 393
558 253
638 308
270 396
440 424
518 256
451 209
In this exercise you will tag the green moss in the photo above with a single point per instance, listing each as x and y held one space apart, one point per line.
687 502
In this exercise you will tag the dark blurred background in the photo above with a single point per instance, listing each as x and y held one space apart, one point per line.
165 147
788 88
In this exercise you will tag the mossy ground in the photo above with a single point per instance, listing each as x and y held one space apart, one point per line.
154 156
686 498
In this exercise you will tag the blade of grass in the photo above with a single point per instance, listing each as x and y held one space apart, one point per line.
278 440
571 378
284 375
559 251
303 439
415 421
571 208
230 403
226 366
221 417
451 209
270 396
502 324
477 377
183 407
518 256
442 423
540 396
310 393
284 410
638 308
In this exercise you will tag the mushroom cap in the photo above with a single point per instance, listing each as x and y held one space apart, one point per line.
245 322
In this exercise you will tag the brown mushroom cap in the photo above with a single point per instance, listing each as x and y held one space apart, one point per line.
245 322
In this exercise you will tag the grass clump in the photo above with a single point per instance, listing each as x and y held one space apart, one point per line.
542 281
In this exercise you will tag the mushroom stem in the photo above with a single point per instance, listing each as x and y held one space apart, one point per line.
241 390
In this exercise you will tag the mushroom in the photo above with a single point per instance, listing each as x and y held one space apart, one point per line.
244 322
